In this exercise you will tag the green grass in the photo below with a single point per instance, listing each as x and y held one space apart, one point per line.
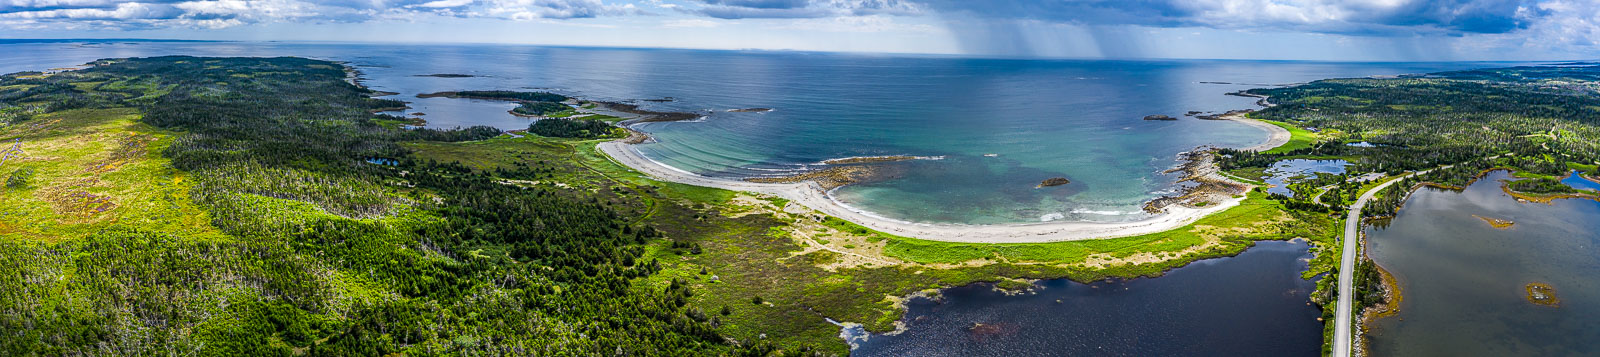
93 170
1256 208
1299 138
1583 168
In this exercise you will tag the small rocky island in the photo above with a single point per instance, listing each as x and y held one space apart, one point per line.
1158 117
1542 294
1053 181
1496 222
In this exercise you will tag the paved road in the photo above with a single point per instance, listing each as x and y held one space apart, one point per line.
1347 263
1322 191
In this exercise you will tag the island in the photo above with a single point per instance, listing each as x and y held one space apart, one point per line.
1054 181
1496 222
1158 117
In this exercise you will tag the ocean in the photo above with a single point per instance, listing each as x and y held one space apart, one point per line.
997 126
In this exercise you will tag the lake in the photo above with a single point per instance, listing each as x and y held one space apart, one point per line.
1464 281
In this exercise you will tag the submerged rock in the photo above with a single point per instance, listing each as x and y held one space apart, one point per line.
1542 294
1054 181
1158 117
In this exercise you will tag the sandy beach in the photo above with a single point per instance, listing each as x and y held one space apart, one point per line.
1276 135
812 195
815 196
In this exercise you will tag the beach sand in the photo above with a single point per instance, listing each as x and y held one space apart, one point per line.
811 195
1276 135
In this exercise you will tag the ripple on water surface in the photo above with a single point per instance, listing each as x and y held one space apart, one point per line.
1254 304
1465 283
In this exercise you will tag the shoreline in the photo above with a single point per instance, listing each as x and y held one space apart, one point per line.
818 197
814 196
1276 135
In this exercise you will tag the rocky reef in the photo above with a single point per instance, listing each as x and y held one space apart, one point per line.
829 178
1496 222
1158 117
1053 181
1542 294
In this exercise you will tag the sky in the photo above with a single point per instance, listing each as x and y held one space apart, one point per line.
1352 30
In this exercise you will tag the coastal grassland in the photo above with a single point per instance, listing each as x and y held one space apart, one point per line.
93 169
1221 234
1299 138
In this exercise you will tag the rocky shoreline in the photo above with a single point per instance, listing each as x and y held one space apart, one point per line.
1210 187
645 116
829 178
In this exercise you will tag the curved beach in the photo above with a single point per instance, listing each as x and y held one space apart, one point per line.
1276 135
812 195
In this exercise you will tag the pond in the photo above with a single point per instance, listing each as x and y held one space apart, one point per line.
1254 304
1285 171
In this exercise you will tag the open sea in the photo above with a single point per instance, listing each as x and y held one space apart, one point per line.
1000 125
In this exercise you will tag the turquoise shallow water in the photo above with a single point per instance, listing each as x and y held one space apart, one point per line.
1001 125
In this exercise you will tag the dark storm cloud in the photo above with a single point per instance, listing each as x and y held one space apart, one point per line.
1400 17
788 9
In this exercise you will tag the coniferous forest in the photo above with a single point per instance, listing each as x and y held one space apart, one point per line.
319 233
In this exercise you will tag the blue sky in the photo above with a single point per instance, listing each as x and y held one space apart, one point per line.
1399 30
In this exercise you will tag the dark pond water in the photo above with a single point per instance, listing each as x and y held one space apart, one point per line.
1464 281
1254 304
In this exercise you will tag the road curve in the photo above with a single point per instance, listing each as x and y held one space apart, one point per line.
1347 263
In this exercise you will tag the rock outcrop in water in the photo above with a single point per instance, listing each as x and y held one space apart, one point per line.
1054 181
1496 222
1158 117
1225 115
828 178
1542 294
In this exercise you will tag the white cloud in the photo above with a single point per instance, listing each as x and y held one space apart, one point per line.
444 3
690 23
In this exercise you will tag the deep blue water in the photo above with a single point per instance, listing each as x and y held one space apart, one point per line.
1254 304
1039 119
